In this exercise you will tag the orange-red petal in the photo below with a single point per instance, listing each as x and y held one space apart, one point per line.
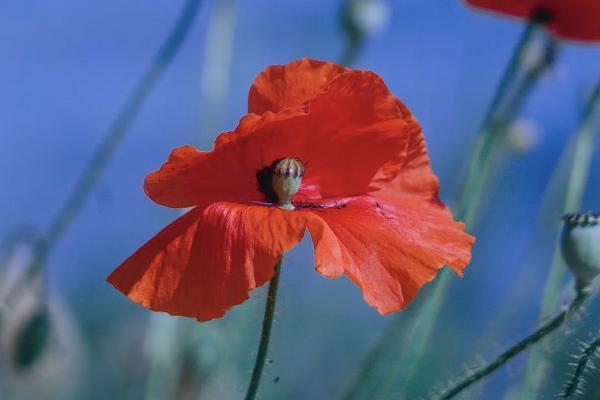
353 138
289 86
209 259
569 19
388 249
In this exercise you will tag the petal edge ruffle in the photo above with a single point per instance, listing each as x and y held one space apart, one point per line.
289 86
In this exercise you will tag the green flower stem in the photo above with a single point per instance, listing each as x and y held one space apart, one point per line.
572 385
545 329
165 375
507 100
578 176
479 172
115 134
265 336
479 166
350 54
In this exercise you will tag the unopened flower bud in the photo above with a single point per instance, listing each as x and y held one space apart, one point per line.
523 136
362 18
287 176
580 245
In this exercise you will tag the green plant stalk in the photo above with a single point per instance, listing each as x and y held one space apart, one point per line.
500 112
479 164
113 138
216 67
163 377
544 330
571 386
163 347
265 336
581 162
519 292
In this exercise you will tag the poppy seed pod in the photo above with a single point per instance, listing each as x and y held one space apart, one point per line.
287 176
580 245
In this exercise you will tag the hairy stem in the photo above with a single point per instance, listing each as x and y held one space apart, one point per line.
584 358
265 336
488 146
578 176
582 295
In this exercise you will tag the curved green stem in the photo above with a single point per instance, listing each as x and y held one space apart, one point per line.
350 53
500 113
584 358
506 102
481 166
578 176
114 135
265 336
582 295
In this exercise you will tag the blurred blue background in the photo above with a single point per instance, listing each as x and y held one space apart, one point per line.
66 68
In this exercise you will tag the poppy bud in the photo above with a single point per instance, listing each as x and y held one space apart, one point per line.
364 17
31 339
580 245
523 136
287 176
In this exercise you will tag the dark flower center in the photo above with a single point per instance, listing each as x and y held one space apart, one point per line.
541 14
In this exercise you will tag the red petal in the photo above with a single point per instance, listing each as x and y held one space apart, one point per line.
208 260
388 249
572 19
345 136
288 86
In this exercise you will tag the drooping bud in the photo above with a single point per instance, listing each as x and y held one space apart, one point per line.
361 18
523 136
32 338
580 245
287 176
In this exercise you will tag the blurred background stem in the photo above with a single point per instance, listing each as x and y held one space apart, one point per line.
578 176
516 83
582 294
33 278
168 368
216 68
113 137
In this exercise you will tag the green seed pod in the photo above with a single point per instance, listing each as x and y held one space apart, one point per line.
580 245
32 339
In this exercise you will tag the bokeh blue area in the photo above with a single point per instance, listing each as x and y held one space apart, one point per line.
66 68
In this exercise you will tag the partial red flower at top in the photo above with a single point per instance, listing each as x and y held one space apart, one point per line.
323 148
569 19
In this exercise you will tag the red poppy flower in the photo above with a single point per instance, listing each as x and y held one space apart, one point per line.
367 196
569 19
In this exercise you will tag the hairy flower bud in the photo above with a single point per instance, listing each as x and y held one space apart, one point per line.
580 245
